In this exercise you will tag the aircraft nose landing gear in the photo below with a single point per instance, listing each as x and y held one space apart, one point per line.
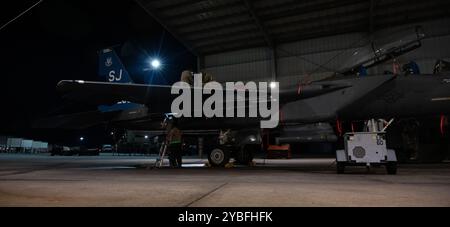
219 156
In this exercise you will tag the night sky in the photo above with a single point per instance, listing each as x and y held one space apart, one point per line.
59 40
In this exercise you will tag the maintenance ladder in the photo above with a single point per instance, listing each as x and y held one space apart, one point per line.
161 155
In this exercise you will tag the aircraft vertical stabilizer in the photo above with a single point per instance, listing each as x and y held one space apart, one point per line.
111 68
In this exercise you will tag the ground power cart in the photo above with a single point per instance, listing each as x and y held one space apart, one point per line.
366 149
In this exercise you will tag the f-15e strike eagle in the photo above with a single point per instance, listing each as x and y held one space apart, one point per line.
307 112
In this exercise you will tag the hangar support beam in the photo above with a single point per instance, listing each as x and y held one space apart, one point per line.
274 63
268 39
168 28
200 63
258 23
371 18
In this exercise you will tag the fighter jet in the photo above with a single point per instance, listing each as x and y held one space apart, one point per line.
307 112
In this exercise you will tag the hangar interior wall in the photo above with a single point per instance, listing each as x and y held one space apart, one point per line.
316 58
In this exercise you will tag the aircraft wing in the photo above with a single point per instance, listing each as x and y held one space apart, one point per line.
111 93
103 93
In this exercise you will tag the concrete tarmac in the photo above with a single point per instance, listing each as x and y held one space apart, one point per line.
41 180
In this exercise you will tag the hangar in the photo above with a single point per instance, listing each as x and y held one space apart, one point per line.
297 43
290 40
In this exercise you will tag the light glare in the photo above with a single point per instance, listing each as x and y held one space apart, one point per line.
156 63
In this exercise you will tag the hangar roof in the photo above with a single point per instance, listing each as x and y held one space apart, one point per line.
213 26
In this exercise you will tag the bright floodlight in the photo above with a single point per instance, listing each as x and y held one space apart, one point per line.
273 85
155 64
81 138
146 137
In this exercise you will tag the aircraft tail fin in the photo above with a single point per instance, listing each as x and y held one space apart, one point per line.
111 68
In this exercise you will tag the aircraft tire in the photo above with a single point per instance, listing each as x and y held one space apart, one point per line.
244 155
219 157
391 168
340 167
